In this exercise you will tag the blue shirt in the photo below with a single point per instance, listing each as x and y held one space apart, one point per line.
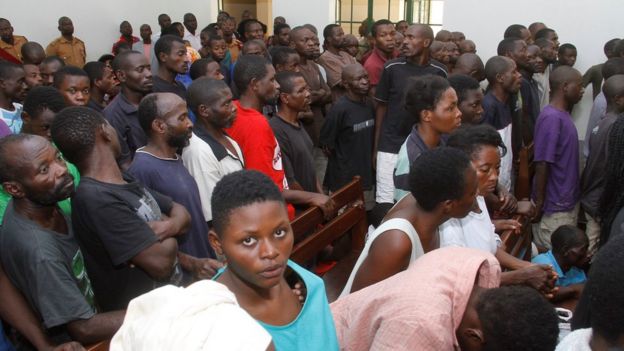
314 328
573 276
13 119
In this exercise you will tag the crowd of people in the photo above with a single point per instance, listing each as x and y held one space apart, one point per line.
147 196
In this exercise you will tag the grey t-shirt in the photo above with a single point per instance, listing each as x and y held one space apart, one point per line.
48 268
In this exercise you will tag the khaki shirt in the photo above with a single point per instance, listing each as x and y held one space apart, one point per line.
16 49
72 52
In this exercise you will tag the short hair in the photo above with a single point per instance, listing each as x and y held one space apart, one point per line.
543 42
496 65
165 43
567 237
423 93
543 33
609 46
214 37
203 91
327 31
199 68
249 67
471 138
613 87
381 22
148 112
240 189
515 318
53 58
438 175
278 28
121 60
285 79
43 98
73 131
244 24
106 57
251 42
612 67
59 76
612 200
514 31
506 46
559 76
280 54
463 84
9 171
566 46
95 70
7 69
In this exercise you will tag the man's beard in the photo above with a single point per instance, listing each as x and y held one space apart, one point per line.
179 141
59 193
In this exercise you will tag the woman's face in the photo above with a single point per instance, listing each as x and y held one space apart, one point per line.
446 116
486 161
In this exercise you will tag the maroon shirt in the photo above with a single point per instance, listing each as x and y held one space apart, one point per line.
374 65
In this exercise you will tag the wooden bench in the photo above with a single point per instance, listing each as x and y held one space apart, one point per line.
519 245
313 233
100 346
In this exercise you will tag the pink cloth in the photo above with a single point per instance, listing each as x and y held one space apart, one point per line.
417 309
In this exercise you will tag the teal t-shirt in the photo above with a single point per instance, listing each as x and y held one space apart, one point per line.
573 276
314 328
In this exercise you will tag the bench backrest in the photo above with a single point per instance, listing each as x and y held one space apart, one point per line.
519 245
526 170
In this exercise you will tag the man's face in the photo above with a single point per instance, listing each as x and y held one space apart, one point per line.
402 27
446 117
164 22
15 87
267 88
574 90
47 71
66 27
109 83
178 127
254 49
457 37
146 32
218 49
453 51
254 31
6 31
222 113
190 22
519 54
44 179
568 57
257 242
40 125
534 56
549 53
511 79
76 90
471 107
552 36
414 42
213 71
336 39
176 61
384 38
358 82
33 76
299 98
125 29
577 256
228 27
136 75
291 64
283 37
467 46
352 47
303 43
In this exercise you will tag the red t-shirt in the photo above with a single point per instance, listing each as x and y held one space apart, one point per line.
252 132
374 65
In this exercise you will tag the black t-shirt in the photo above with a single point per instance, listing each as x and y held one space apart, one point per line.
124 117
110 222
162 86
349 132
297 158
391 90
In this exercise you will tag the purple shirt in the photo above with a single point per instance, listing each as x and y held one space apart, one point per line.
556 142
4 129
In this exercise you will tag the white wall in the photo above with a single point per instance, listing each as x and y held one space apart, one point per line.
298 12
586 24
97 22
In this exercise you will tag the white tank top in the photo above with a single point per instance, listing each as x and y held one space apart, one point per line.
392 224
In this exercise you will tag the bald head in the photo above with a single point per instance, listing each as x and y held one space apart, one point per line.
613 90
351 71
536 27
162 107
467 46
562 75
470 65
32 53
422 30
14 154
444 35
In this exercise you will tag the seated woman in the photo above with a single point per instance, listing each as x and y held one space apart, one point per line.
443 185
482 144
446 300
251 229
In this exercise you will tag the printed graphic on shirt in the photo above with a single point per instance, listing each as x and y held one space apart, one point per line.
84 284
149 210
277 157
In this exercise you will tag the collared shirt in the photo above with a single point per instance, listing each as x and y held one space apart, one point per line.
92 104
72 52
208 161
122 39
124 117
374 65
598 111
162 86
333 64
14 49
572 276
193 39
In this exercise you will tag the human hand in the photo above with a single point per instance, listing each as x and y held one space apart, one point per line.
501 225
509 203
163 229
542 278
205 268
68 346
300 291
325 203
526 208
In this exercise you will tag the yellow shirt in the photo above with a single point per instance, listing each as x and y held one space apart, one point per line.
235 48
72 52
16 49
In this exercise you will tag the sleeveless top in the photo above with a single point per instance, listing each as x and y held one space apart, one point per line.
392 224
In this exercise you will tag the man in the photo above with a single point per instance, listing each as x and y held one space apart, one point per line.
234 45
529 92
457 37
164 118
548 34
443 36
594 73
12 92
469 98
556 183
352 46
9 43
439 52
164 21
255 80
536 27
294 142
206 67
190 31
172 60
401 26
467 46
69 48
390 114
135 79
33 75
252 29
548 50
39 251
32 53
145 44
470 65
566 55
499 107
211 153
518 31
383 32
285 59
126 37
281 35
104 86
334 59
127 256
453 54
74 85
48 67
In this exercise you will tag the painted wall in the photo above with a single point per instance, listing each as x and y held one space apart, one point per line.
587 25
297 12
97 22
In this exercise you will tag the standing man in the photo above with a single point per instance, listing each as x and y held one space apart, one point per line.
172 60
549 55
383 32
12 92
69 48
334 59
9 43
390 113
125 28
103 85
145 44
190 31
234 45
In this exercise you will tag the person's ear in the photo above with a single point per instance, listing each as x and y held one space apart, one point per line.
202 110
427 43
474 336
121 75
215 242
106 133
499 78
159 126
446 206
253 84
284 98
619 102
14 189
426 115
26 119
162 57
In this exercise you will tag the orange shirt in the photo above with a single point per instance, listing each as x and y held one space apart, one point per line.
72 52
14 49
